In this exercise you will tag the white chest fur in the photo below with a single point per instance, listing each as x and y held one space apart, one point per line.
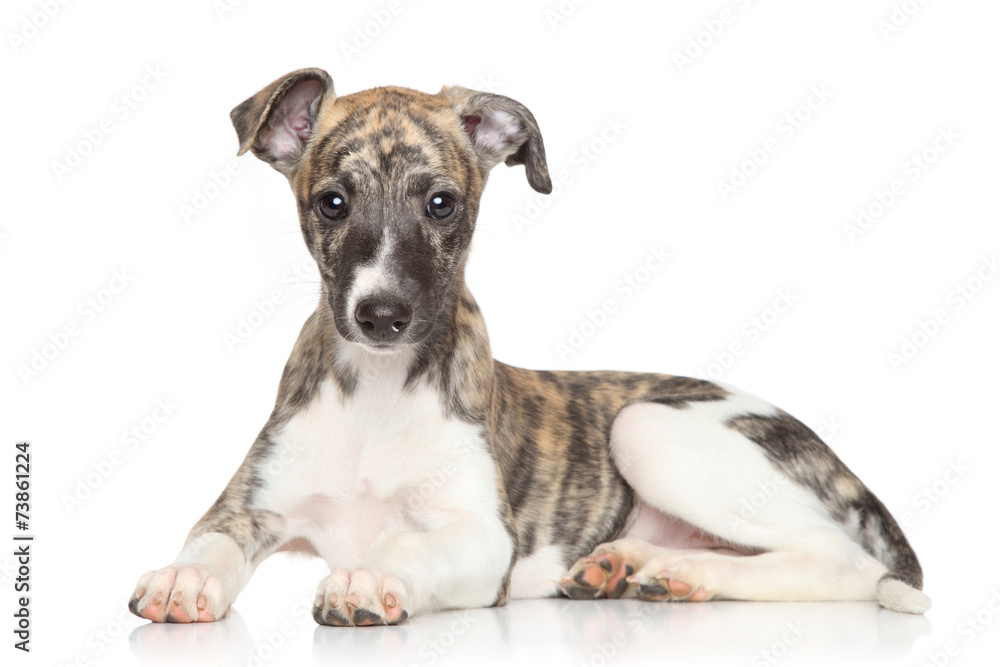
347 471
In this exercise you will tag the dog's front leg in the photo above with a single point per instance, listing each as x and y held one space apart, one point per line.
460 559
216 562
460 565
200 585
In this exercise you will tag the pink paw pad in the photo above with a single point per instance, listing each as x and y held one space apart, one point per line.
603 574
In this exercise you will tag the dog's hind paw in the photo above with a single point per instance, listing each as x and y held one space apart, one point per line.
179 594
673 579
360 597
664 588
602 574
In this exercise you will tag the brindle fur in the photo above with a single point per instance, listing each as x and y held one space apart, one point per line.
547 431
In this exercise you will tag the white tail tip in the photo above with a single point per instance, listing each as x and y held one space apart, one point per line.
895 595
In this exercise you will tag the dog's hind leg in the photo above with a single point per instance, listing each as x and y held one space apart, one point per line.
653 572
800 525
610 571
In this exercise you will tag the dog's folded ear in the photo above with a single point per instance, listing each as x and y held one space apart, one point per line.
277 122
501 130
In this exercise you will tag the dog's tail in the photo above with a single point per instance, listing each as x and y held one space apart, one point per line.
899 588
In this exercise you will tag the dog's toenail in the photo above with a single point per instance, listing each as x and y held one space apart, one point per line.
365 617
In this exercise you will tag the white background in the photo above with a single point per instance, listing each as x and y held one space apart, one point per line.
660 136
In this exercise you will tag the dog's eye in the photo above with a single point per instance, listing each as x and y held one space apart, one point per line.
332 206
441 205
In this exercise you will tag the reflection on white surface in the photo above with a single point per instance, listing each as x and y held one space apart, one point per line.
562 632
220 643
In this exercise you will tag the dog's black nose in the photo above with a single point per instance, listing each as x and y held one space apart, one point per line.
382 320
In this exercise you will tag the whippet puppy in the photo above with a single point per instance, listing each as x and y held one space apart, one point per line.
430 476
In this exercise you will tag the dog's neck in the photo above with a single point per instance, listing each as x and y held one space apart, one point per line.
455 357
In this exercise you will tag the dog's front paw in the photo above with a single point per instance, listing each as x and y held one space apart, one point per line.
360 597
180 594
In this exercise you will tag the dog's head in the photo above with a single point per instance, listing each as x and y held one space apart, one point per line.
388 183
